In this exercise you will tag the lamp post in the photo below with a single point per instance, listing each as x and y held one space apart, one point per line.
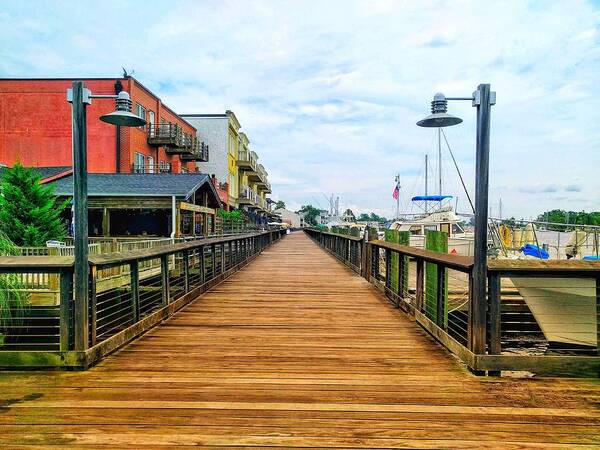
79 96
482 99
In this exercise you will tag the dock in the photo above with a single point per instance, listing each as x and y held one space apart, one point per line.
294 350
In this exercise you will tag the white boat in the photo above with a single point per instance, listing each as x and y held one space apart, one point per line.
564 308
442 219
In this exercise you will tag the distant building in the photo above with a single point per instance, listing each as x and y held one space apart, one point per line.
37 129
232 161
290 217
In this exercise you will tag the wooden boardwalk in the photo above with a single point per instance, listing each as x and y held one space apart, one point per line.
293 351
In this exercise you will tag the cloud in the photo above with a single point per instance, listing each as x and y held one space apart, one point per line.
329 92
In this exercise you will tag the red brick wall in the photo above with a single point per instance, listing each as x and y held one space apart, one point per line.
35 125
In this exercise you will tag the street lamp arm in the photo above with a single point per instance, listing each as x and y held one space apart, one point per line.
460 98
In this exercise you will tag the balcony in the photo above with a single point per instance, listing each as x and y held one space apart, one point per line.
247 160
151 168
264 186
199 152
250 198
165 134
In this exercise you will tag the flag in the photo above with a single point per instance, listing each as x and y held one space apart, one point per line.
396 191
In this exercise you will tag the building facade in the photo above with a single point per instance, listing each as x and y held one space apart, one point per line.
35 129
292 218
233 161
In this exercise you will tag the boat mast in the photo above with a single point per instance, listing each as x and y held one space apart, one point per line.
426 181
440 160
398 198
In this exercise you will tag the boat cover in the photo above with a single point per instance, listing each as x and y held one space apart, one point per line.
430 198
535 251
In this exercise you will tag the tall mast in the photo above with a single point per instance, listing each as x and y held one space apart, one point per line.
440 160
426 180
398 198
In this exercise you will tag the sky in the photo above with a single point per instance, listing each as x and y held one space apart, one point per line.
329 92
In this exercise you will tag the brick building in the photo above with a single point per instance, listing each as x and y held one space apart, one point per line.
35 129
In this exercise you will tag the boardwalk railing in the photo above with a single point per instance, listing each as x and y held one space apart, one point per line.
522 316
129 293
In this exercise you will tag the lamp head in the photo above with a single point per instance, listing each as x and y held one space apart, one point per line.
122 115
439 117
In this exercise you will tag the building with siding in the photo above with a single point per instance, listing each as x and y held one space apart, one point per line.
35 129
232 161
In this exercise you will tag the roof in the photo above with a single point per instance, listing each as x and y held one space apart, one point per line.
46 172
181 185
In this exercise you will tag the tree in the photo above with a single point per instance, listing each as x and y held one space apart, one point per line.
349 213
29 211
363 217
310 214
280 205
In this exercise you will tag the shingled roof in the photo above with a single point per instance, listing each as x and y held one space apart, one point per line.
180 185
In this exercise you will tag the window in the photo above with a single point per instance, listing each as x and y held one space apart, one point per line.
151 117
150 164
140 111
139 162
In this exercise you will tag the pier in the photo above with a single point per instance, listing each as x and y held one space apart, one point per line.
289 348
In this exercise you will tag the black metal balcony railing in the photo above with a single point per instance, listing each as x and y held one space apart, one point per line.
165 134
151 168
199 151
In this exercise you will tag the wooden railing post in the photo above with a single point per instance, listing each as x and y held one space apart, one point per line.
400 287
202 269
213 251
134 270
388 273
164 275
223 258
66 311
420 284
93 320
440 296
186 271
598 315
495 347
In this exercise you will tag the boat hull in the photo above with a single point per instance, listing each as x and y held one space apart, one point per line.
565 308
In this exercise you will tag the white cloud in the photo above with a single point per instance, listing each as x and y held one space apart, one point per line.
329 92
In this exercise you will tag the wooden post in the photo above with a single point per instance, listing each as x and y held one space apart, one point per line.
213 251
420 283
80 203
135 289
164 274
223 257
495 347
186 271
93 321
598 315
388 273
483 100
105 222
400 287
202 272
440 307
65 286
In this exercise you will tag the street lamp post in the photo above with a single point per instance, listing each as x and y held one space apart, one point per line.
79 96
482 99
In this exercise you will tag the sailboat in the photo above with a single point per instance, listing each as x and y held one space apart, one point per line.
440 217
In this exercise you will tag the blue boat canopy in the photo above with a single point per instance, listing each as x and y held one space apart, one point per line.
430 198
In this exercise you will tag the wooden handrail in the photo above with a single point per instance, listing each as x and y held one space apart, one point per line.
458 262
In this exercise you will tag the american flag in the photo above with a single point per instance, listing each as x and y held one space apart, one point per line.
396 191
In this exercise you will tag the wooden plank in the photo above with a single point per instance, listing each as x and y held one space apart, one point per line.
295 350
196 208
